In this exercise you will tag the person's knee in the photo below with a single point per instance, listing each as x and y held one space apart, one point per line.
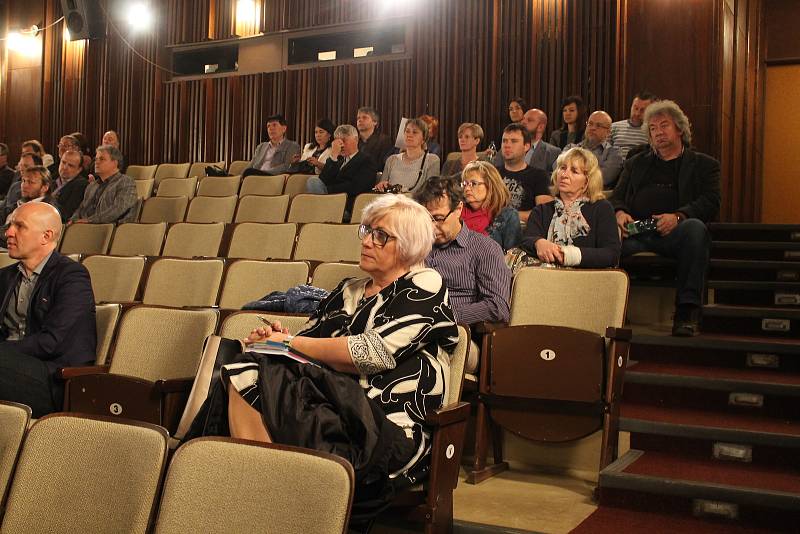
695 234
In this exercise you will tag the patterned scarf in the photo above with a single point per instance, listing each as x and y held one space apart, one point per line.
568 222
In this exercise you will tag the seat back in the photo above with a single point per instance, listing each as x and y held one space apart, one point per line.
296 184
138 239
263 185
198 168
177 187
144 188
161 343
328 275
328 242
106 316
211 209
307 208
14 419
141 172
238 325
458 361
219 186
249 280
180 282
170 170
257 241
114 278
309 491
81 474
262 209
238 167
190 240
361 202
164 209
6 260
86 238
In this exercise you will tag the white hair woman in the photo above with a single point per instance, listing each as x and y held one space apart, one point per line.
384 344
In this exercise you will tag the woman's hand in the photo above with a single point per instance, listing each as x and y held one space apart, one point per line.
381 186
549 252
276 332
315 162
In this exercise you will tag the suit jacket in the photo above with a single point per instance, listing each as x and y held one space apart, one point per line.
117 201
698 184
282 158
559 137
70 196
61 319
609 159
357 177
378 147
542 157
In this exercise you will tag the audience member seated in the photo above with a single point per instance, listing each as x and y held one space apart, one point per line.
542 155
70 185
515 111
573 114
316 154
27 160
414 165
527 186
627 134
36 147
378 146
433 133
111 138
472 265
6 172
276 155
348 170
66 143
86 150
470 136
111 195
48 312
486 205
578 228
36 186
596 141
384 343
680 189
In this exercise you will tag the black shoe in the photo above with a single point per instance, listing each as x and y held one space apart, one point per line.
687 321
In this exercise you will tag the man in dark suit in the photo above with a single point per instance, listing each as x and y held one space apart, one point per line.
48 313
680 189
348 170
70 184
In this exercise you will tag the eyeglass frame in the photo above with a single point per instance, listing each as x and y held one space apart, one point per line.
365 230
471 183
443 219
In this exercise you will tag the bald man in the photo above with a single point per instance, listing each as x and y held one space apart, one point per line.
48 314
542 155
598 129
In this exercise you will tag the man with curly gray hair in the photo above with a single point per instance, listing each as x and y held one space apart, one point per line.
679 189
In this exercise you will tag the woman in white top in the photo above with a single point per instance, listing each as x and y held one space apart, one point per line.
410 168
318 152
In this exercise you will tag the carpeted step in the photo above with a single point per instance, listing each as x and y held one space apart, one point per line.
754 232
777 271
760 321
756 250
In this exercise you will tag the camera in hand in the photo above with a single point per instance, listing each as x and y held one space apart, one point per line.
642 225
394 189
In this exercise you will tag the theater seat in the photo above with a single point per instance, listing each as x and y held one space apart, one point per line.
249 280
361 202
198 168
138 239
263 185
114 278
307 208
328 275
255 241
164 209
180 282
296 184
141 172
106 316
238 325
262 209
320 242
211 209
219 186
190 240
170 170
14 420
238 167
86 238
177 187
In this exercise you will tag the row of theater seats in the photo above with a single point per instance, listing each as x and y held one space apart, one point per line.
181 170
78 473
222 186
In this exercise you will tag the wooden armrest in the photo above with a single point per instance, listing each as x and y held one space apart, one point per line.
65 373
487 327
174 385
621 334
455 413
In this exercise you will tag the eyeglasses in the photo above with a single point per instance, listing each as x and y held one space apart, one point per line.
439 219
379 237
471 183
592 124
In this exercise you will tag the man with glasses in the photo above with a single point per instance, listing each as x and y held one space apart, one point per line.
598 128
66 143
472 265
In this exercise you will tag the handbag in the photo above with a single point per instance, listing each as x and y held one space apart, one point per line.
216 170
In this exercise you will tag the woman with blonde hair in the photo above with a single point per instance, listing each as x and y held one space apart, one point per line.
487 205
578 228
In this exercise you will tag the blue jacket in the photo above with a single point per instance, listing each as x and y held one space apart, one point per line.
505 228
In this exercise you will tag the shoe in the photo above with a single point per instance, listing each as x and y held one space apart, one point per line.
687 321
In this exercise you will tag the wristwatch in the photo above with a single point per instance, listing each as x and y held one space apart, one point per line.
680 216
287 341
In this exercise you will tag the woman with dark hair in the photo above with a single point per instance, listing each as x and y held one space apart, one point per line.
573 115
317 153
516 109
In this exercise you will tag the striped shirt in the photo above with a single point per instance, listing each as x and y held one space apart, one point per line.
626 136
476 275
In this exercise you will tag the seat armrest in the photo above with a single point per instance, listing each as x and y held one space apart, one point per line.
621 334
449 415
174 385
65 373
487 327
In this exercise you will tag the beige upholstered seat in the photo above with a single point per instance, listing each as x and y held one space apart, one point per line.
106 316
238 167
296 184
189 240
6 260
245 486
263 185
138 239
171 170
249 280
458 361
114 278
177 187
78 474
361 202
219 186
86 238
14 420
198 168
328 275
239 325
262 209
257 241
307 208
141 172
328 242
212 209
144 188
179 282
164 209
